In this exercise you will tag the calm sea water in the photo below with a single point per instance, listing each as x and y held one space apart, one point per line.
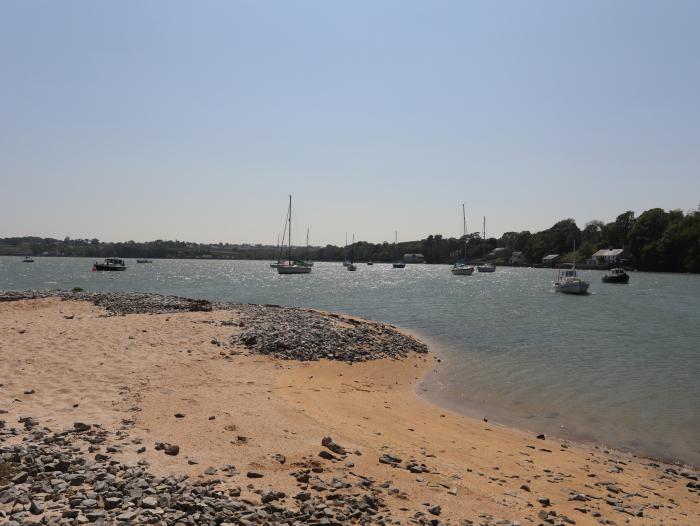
620 366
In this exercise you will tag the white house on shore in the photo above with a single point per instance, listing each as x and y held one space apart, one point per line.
608 256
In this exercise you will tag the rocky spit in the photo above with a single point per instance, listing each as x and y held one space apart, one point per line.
303 334
117 303
69 477
288 333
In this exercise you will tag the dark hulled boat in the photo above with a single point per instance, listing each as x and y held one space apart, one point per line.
110 264
616 275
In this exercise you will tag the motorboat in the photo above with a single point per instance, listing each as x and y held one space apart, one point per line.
462 269
144 261
568 282
616 275
28 259
486 267
110 264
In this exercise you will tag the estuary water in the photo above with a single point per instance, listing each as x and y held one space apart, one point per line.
620 366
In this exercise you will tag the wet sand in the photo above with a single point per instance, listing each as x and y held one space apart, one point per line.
65 361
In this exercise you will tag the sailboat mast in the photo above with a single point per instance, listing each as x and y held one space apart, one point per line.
307 243
290 229
464 221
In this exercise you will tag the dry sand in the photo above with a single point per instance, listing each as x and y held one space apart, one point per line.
65 361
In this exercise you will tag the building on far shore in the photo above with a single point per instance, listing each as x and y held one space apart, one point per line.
550 260
518 258
610 256
413 258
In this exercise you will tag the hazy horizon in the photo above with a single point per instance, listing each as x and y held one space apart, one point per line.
170 120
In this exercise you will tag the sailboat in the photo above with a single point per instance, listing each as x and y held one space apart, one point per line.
398 262
290 266
279 250
346 261
485 267
307 260
460 268
351 262
568 281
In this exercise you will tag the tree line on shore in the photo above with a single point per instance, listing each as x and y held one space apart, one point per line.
656 240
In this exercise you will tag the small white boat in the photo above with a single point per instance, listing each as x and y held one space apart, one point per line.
486 267
568 281
460 268
351 263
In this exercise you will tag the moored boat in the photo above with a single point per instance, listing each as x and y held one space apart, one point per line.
144 261
485 267
28 259
110 264
616 275
398 262
460 268
568 281
351 262
290 266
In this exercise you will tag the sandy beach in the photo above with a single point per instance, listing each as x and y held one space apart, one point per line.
253 425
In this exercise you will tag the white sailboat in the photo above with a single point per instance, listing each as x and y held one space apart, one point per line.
568 281
485 267
351 262
460 268
290 266
398 262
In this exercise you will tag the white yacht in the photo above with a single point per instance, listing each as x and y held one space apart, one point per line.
290 266
460 268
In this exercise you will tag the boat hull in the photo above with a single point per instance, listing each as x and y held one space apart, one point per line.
351 267
623 278
580 287
486 268
293 270
462 271
108 268
398 265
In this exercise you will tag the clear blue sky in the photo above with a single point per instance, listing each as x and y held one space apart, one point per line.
194 120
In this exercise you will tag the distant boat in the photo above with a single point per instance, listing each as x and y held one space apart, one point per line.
485 267
290 266
307 260
398 262
351 262
112 264
370 263
460 268
27 259
616 275
568 281
144 261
